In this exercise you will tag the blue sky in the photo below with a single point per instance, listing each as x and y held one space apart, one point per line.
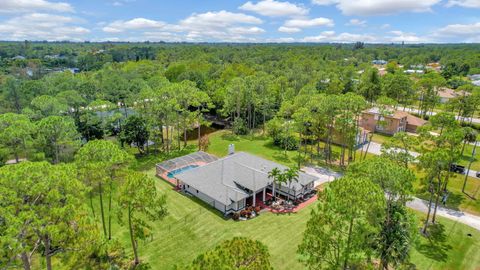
372 21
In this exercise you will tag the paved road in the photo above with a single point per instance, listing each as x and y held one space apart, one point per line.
326 175
474 120
375 148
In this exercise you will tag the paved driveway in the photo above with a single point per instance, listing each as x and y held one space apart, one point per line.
326 175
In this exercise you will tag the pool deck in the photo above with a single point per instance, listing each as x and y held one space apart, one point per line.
173 181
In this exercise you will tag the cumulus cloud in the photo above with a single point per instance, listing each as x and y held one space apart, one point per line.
330 36
218 19
379 7
214 25
41 26
285 29
357 22
400 36
272 8
459 32
134 24
464 3
303 23
16 6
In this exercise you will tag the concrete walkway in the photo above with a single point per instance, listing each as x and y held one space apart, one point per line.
326 175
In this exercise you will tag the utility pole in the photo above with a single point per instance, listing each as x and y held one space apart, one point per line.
469 165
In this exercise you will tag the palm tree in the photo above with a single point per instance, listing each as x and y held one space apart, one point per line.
290 175
274 174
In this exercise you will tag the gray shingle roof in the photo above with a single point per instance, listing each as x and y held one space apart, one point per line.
226 179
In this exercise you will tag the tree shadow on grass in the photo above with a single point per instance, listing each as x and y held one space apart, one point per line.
454 200
435 247
278 156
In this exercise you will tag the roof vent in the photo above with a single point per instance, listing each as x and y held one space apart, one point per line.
231 149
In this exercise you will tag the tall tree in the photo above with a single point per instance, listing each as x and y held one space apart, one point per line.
42 214
16 133
139 198
58 137
338 233
108 160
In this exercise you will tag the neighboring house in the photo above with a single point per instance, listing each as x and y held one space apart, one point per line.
445 94
475 78
18 57
379 62
414 71
413 123
231 183
397 121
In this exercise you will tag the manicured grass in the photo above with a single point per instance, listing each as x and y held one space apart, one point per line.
380 138
448 247
192 227
456 199
257 145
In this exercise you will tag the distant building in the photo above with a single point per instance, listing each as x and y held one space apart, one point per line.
18 57
379 62
446 94
414 71
396 121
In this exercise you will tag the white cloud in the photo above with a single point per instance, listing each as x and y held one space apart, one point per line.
324 2
40 26
284 29
15 6
303 23
272 8
379 7
385 26
464 3
330 36
459 32
400 36
218 19
134 24
281 40
357 22
246 30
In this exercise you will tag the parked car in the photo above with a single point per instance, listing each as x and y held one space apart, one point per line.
457 168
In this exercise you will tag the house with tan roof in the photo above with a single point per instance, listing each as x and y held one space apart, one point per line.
395 121
446 94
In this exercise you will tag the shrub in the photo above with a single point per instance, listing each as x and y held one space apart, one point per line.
236 216
239 126
257 209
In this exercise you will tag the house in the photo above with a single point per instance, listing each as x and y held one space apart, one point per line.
445 94
413 123
475 78
414 71
373 121
231 183
379 62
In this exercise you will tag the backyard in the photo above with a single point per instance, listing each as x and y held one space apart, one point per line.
192 227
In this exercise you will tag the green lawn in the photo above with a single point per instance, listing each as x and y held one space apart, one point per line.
192 227
456 199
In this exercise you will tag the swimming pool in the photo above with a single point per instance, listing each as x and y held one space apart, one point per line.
172 174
